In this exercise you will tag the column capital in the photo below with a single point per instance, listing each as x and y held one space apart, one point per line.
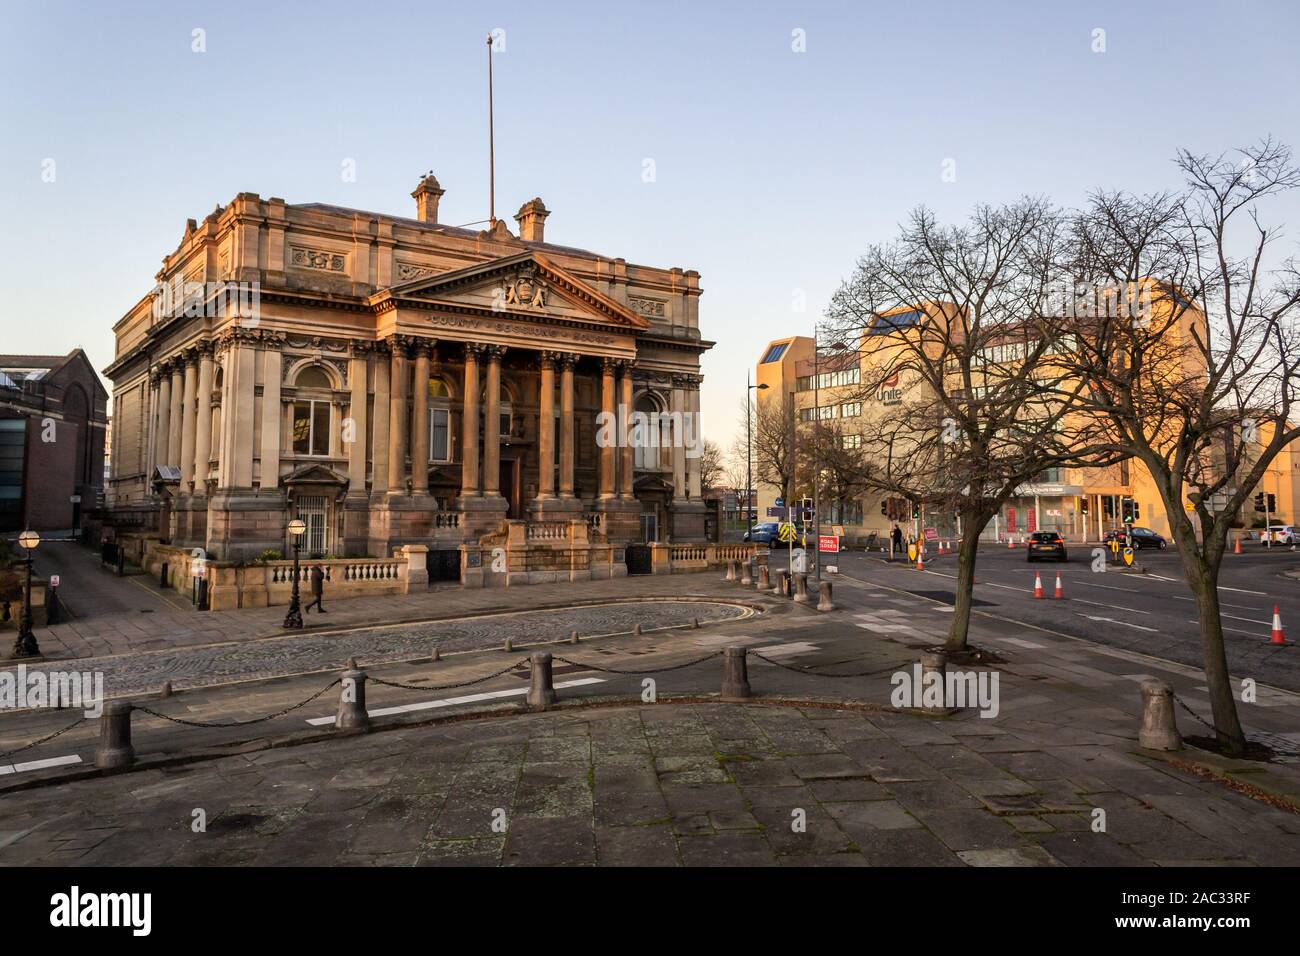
608 364
205 349
567 360
548 359
625 366
495 352
475 349
360 348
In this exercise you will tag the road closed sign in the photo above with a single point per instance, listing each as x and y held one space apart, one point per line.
828 543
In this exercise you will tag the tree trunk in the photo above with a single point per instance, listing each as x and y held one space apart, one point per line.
972 527
1203 578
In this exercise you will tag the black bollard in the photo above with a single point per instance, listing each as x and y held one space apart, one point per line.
115 748
541 688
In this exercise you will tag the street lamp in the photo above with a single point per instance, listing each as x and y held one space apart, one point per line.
749 458
294 618
25 645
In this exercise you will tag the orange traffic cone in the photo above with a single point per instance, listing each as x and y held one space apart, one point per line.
920 560
1011 542
1236 545
1059 593
1038 585
1279 635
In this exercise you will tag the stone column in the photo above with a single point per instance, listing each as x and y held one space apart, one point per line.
469 423
566 425
492 424
177 411
203 421
546 428
420 421
693 489
397 419
163 427
626 452
187 422
354 439
379 441
608 432
273 415
239 416
678 450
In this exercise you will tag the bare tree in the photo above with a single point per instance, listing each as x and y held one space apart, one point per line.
711 465
1197 373
773 442
963 396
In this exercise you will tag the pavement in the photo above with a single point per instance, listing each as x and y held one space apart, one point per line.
819 768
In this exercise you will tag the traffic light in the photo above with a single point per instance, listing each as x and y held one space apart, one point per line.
885 509
916 510
1259 502
1272 504
1083 509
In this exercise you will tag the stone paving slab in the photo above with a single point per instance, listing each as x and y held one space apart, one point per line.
539 790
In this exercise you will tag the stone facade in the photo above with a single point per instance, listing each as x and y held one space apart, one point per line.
399 382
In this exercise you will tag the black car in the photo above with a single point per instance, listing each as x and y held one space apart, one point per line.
1142 538
1046 544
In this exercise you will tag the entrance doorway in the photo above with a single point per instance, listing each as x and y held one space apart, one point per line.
508 482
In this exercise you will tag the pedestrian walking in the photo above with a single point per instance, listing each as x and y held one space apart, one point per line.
896 539
317 589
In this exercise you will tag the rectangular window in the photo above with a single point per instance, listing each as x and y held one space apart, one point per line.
439 434
13 446
850 409
851 441
312 510
774 353
311 428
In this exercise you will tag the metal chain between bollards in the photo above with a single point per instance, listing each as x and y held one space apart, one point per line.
800 670
45 739
238 723
1195 716
466 683
652 670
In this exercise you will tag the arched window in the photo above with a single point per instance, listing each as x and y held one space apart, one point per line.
439 421
313 412
649 431
506 409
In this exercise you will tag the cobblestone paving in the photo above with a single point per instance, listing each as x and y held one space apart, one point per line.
659 785
276 657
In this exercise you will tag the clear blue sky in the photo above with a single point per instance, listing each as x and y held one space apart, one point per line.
774 168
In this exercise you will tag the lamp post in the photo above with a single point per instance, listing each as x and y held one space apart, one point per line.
749 458
294 618
25 645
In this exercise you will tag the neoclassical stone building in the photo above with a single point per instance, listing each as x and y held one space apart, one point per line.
397 381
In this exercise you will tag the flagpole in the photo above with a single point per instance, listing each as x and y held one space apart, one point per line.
492 183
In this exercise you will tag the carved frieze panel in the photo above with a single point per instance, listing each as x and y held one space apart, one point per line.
319 259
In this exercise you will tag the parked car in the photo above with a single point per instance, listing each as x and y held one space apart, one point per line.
1142 538
1046 544
1287 534
765 533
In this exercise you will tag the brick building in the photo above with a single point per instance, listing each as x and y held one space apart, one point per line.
52 420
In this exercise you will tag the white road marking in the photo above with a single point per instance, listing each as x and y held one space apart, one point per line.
1108 587
1021 643
781 650
40 764
1239 607
1108 620
1234 630
1113 607
1248 620
1240 590
453 701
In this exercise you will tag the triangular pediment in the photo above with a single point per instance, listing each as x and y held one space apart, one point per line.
314 474
527 285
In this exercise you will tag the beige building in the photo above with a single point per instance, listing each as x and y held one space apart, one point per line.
397 381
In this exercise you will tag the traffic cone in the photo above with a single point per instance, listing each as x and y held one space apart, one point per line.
1038 585
1011 541
1059 593
1279 635
920 560
1236 545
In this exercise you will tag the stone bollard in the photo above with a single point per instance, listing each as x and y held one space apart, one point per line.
735 674
783 583
824 597
637 628
166 690
935 662
573 637
695 623
764 578
731 571
437 654
746 576
1159 728
115 748
508 646
352 702
541 688
801 587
